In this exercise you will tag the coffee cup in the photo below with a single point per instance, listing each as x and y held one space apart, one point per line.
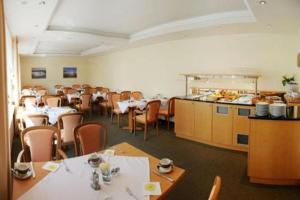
165 163
21 169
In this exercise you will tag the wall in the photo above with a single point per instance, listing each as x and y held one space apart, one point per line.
154 69
54 67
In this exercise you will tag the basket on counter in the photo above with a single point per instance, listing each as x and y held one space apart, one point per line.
292 99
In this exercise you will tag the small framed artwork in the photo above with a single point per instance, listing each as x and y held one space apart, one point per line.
298 60
70 72
38 73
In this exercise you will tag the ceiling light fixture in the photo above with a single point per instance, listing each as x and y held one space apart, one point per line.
42 3
262 2
36 26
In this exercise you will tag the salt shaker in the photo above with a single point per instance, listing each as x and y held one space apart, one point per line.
95 184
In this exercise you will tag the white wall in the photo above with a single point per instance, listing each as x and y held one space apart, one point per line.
154 69
54 67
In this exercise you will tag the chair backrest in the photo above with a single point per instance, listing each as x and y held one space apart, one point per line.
85 101
137 95
109 97
40 140
89 138
26 91
171 106
125 95
71 91
58 86
27 99
42 92
105 90
76 86
65 90
214 194
99 89
86 85
115 98
26 87
34 120
67 123
53 101
39 87
152 110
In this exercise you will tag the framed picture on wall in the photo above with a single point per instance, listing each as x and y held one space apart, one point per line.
38 73
70 72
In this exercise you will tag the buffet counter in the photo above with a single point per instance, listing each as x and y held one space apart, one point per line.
217 123
274 150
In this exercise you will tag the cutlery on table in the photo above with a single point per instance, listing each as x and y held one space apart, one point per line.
131 193
66 167
164 176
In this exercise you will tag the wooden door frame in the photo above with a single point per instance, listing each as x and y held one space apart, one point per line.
5 175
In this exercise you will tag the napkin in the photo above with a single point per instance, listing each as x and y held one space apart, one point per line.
51 166
151 188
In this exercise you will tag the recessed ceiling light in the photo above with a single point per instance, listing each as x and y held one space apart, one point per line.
42 3
262 2
36 26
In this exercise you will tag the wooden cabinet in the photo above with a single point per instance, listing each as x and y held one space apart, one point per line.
241 125
203 121
222 124
184 117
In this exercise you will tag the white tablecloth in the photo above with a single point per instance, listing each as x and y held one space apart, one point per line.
124 105
75 185
52 112
70 96
94 96
98 94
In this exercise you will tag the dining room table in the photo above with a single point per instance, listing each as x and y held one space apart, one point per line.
95 96
73 177
131 105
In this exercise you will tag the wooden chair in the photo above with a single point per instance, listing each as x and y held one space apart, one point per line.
27 87
99 89
168 112
106 90
89 137
53 101
66 89
85 103
42 92
115 98
33 120
76 86
26 92
27 98
137 95
39 141
57 87
125 95
39 87
214 194
107 104
86 85
150 116
66 124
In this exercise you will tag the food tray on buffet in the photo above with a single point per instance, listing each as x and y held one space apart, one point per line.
292 97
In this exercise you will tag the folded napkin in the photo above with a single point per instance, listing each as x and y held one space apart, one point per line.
151 188
51 166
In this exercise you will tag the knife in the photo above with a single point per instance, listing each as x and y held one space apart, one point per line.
164 176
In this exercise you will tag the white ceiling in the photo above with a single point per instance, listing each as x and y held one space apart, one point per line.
83 27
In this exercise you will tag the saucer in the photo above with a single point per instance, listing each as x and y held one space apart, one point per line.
164 170
26 176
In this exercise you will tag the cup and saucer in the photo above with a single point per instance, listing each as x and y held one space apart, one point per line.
165 166
22 171
94 160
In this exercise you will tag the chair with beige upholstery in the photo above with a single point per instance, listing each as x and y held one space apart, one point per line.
99 89
137 95
38 142
89 137
86 85
66 124
115 98
26 92
76 86
150 116
42 92
66 89
39 87
53 101
107 104
84 103
33 120
106 90
27 99
214 194
125 95
168 112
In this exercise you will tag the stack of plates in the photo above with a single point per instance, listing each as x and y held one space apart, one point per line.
278 109
262 109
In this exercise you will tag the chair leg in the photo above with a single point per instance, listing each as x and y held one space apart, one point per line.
119 120
157 128
111 117
168 121
145 132
134 126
